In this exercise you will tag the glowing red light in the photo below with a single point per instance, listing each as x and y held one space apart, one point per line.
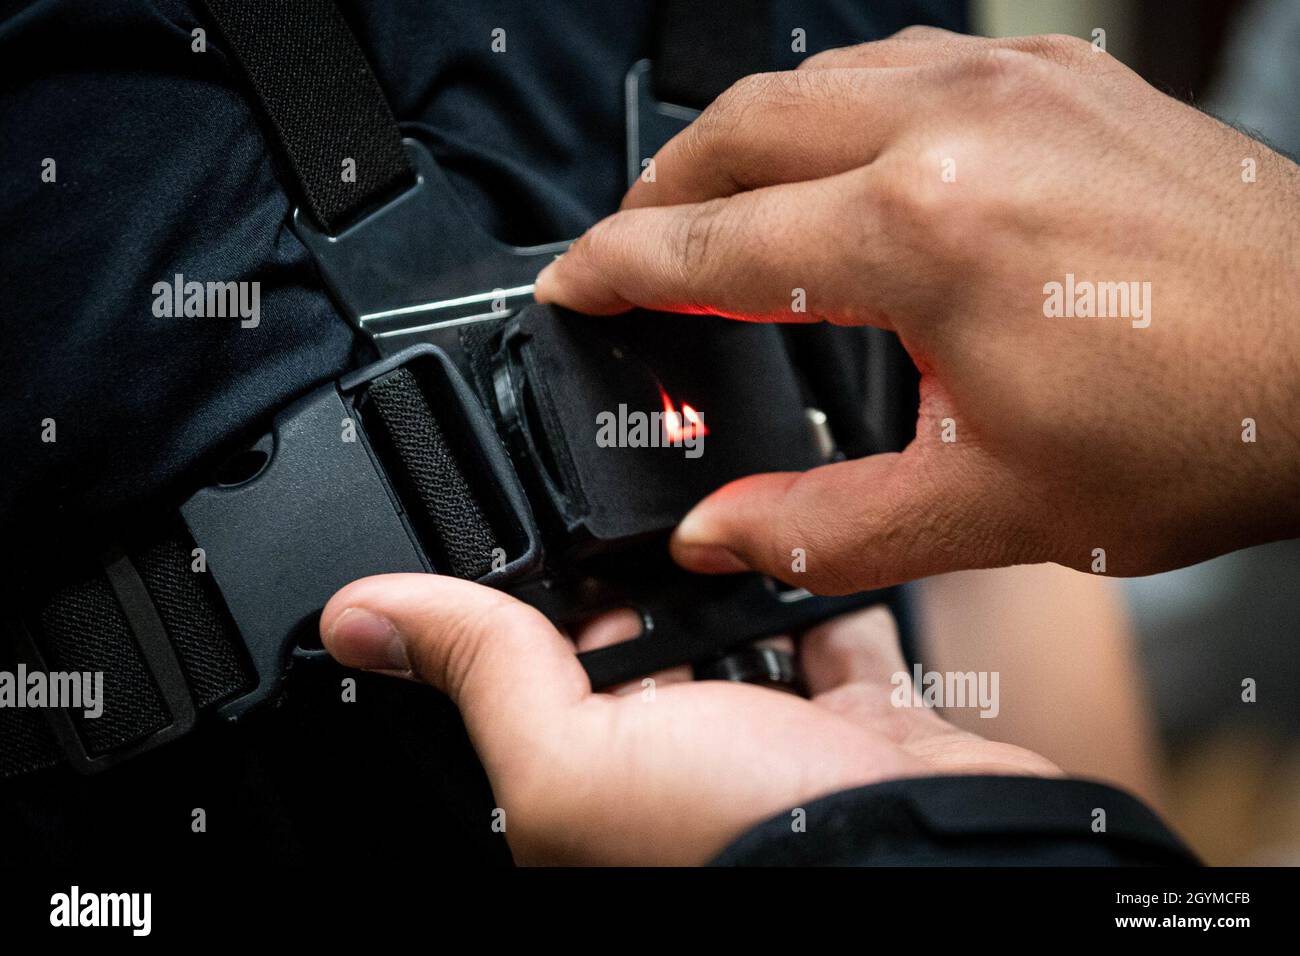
683 425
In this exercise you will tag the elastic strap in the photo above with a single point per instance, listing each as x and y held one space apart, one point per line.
331 122
703 47
91 623
429 472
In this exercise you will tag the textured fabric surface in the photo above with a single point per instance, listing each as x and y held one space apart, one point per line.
736 374
318 93
428 469
204 641
965 821
83 629
25 742
702 48
28 745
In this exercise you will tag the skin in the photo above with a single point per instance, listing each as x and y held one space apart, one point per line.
1072 434
627 778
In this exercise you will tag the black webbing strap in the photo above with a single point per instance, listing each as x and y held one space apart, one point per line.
26 743
153 623
703 47
322 102
428 471
101 620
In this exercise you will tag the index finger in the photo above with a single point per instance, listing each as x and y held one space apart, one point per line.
762 255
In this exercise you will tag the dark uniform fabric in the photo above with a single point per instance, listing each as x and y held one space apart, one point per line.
964 821
161 168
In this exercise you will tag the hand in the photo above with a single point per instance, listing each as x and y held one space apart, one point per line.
935 185
666 777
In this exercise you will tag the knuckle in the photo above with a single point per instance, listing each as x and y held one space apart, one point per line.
1059 48
695 238
598 243
735 107
823 59
800 526
455 658
915 203
1004 83
1000 66
795 89
920 31
737 100
728 115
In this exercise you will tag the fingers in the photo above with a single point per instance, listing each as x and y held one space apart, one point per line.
743 256
502 663
615 628
773 128
912 46
859 524
861 647
918 46
838 110
854 666
612 627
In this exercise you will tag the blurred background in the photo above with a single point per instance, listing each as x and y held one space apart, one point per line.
1231 782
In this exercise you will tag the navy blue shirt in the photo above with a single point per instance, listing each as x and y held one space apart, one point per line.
161 167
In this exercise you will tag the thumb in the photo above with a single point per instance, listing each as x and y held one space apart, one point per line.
503 664
854 525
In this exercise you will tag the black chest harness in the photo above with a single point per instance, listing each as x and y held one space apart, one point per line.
470 444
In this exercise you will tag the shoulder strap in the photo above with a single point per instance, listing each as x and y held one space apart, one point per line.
702 48
321 101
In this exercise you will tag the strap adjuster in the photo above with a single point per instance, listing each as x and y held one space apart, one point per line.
324 509
419 263
160 660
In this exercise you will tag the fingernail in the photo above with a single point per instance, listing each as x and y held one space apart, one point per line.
708 559
694 528
543 290
694 549
363 639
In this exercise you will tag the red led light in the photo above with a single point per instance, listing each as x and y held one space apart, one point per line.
683 425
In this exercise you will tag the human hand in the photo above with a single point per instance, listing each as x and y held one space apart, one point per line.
668 773
935 185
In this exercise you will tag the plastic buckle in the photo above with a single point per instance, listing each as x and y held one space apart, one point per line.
316 509
159 659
